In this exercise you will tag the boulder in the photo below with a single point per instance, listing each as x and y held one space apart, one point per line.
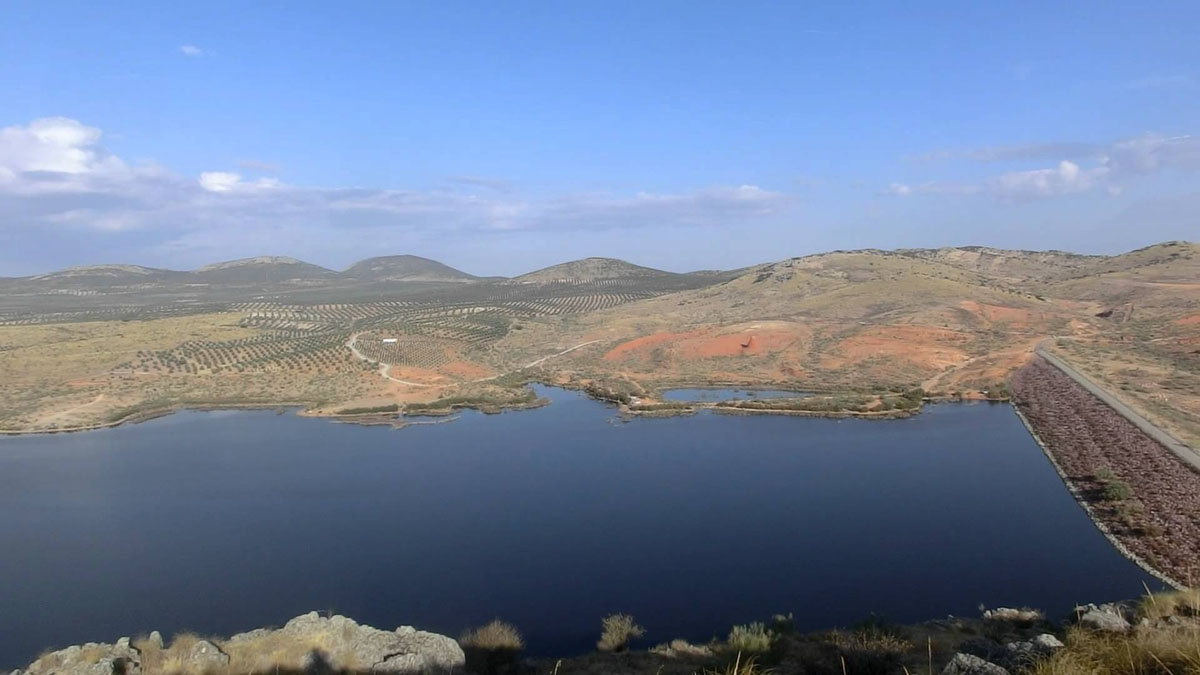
154 640
1026 652
965 664
204 655
1105 618
349 645
1013 615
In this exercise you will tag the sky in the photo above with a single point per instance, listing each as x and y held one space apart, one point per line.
505 136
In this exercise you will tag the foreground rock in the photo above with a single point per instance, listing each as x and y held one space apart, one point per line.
309 643
966 664
1107 618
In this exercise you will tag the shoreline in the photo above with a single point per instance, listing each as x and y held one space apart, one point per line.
398 419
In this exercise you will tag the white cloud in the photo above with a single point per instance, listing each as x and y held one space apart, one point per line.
219 181
1082 167
53 144
55 173
1066 178
191 50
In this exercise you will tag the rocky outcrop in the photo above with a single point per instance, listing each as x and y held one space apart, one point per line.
310 643
92 658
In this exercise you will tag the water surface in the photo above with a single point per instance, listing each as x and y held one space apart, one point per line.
549 518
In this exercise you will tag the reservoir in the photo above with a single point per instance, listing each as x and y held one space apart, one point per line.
219 522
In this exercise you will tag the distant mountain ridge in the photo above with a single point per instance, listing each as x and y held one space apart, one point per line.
1040 268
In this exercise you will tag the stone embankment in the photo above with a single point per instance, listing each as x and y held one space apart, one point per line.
1140 493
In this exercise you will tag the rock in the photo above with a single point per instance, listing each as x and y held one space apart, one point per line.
1106 618
1020 616
204 655
400 663
350 645
345 646
1025 652
965 664
438 651
248 636
985 648
89 659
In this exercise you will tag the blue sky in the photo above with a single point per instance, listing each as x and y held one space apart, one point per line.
500 137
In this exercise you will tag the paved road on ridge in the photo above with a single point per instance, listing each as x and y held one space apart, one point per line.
1177 447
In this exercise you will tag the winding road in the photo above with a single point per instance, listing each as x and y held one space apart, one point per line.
352 344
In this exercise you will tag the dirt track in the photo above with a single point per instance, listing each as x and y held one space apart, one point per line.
1161 523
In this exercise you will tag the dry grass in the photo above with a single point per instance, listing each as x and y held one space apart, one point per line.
1159 606
752 638
493 636
870 642
616 632
1172 650
741 667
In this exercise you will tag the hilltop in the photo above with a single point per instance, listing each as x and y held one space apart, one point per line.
592 269
405 268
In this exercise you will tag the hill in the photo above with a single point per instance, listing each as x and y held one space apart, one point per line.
104 275
261 269
593 269
405 268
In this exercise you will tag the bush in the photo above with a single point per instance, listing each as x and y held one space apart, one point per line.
494 635
493 648
616 632
1117 491
752 638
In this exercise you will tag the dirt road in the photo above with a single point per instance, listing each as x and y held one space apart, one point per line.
383 367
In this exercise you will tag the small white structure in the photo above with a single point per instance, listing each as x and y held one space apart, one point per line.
389 341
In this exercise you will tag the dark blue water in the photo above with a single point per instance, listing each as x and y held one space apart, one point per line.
549 518
709 395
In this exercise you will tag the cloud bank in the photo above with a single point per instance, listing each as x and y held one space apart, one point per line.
55 172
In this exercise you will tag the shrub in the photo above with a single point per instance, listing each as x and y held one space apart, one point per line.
494 635
616 631
783 624
752 638
492 648
1117 491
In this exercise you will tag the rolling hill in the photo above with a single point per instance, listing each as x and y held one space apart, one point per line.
593 269
405 268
